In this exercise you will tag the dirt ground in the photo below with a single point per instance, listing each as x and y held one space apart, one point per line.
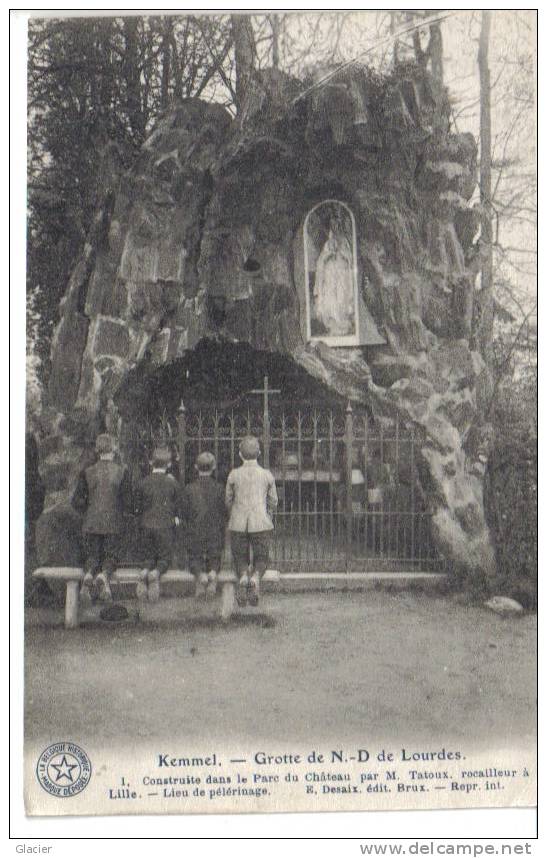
357 665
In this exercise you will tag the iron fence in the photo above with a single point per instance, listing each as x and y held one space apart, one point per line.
350 497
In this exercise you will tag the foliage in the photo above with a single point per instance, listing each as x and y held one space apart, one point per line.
89 82
34 391
511 485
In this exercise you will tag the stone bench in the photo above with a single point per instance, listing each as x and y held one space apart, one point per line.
72 576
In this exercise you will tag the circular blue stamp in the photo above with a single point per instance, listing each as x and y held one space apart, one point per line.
63 769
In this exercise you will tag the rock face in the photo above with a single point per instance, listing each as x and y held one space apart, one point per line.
203 238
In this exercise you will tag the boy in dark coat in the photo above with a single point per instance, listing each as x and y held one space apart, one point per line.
103 493
204 513
157 501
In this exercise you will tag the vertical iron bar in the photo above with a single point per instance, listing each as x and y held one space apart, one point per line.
412 496
323 533
216 424
299 448
382 494
338 532
315 457
359 523
284 481
348 438
374 505
181 436
290 542
266 425
307 529
399 493
367 507
331 481
389 512
200 431
232 441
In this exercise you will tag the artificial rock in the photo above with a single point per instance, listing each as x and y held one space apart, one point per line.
202 238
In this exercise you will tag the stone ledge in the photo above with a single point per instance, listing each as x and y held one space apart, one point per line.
300 582
131 575
273 580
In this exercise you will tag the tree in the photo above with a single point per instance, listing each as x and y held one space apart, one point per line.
107 79
92 82
410 43
508 208
487 281
245 60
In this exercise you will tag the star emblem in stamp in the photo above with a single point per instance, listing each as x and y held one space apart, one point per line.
63 769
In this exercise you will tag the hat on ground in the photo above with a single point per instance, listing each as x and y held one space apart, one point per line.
206 462
114 613
104 444
249 448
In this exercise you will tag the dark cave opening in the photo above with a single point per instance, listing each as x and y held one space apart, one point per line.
218 375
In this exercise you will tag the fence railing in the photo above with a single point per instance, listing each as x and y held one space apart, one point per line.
349 491
350 495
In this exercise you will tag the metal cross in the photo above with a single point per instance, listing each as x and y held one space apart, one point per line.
266 392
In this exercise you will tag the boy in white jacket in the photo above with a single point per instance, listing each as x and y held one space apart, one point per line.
251 498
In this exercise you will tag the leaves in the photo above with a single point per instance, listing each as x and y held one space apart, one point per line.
90 82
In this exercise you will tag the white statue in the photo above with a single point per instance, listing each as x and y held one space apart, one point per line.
333 289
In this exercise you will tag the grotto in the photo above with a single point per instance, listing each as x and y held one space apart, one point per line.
323 244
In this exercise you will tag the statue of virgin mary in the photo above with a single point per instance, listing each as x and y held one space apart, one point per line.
333 289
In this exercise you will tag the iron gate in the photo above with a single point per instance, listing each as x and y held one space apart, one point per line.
349 493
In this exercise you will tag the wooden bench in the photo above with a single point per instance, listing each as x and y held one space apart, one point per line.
72 576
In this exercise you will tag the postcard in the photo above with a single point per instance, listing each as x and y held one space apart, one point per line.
281 438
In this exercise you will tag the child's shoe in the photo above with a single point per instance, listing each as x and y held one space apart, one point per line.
211 590
142 589
241 594
254 591
202 582
103 588
86 590
153 585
